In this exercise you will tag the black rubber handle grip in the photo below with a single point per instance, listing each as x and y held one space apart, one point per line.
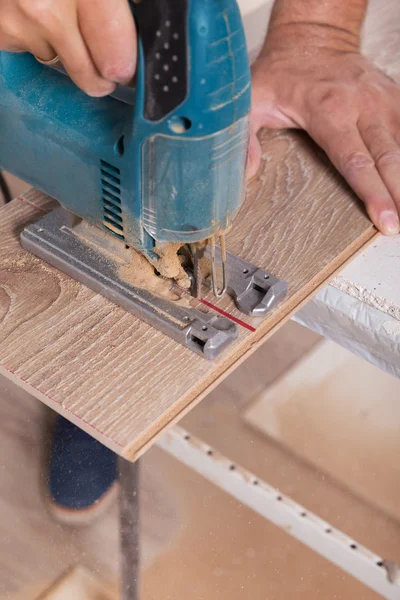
162 29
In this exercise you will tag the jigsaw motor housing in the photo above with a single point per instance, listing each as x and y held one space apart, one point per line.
163 160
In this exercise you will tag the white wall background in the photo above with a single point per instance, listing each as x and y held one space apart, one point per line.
256 15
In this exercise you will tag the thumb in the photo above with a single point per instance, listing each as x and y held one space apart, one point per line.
254 156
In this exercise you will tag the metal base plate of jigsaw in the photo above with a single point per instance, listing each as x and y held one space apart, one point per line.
55 239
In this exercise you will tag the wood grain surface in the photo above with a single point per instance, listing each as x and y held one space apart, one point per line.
123 381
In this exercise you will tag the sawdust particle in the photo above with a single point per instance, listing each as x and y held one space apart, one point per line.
140 273
169 265
18 261
364 295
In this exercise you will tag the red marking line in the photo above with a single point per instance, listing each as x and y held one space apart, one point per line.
227 315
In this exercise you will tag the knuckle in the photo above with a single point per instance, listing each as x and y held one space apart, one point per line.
41 12
388 157
356 161
332 100
374 131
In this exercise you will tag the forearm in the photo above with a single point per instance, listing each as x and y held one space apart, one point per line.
333 23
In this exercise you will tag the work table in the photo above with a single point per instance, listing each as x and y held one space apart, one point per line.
360 309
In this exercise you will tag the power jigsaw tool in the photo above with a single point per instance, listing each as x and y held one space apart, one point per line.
157 165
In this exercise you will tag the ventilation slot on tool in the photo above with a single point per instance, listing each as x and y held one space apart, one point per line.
111 197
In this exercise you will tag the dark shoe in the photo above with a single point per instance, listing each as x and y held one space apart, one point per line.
82 480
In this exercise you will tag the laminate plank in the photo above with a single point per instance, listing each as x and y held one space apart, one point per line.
122 380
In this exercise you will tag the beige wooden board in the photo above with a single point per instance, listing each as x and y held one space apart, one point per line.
121 379
78 584
197 542
341 414
125 382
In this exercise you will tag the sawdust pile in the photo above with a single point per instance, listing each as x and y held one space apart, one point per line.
170 266
139 272
18 261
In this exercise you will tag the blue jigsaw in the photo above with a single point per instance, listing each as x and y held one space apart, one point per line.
161 161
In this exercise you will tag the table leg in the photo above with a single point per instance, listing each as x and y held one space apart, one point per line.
129 528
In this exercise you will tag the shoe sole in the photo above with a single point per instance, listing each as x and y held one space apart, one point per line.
84 516
67 516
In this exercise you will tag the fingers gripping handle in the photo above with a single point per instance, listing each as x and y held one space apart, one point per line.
162 71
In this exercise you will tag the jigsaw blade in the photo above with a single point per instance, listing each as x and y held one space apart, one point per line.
197 252
218 292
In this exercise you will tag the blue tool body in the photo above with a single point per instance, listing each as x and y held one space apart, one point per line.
167 166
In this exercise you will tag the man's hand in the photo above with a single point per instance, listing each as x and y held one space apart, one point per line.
95 39
349 107
312 76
